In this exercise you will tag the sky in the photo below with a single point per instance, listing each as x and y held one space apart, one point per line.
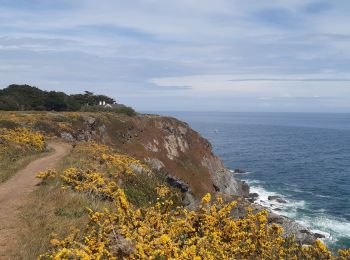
192 55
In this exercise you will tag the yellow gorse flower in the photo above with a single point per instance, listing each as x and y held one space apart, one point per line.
158 232
23 136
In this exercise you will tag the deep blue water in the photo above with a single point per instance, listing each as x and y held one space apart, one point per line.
305 158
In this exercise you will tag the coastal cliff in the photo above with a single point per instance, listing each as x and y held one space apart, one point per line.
170 147
166 144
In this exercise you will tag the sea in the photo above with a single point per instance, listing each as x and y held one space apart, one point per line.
302 157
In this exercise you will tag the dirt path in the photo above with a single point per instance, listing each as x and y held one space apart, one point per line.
14 192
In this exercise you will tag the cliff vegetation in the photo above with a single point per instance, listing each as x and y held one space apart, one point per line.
17 147
142 187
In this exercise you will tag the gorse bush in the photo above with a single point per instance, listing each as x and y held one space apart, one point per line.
158 232
16 144
93 166
143 217
162 230
22 137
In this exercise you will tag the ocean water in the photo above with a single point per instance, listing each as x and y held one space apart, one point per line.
304 158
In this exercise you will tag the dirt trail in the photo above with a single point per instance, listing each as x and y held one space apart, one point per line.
14 192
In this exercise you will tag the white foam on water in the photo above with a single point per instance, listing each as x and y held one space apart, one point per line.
322 196
327 236
252 182
331 227
239 173
296 190
334 227
287 208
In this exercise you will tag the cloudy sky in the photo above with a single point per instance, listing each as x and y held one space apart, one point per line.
222 55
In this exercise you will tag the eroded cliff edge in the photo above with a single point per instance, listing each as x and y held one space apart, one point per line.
167 145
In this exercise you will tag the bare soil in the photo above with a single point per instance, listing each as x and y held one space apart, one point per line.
14 195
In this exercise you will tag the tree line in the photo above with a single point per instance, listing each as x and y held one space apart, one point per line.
25 97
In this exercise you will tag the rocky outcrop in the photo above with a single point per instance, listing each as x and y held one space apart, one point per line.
166 144
222 178
238 170
169 147
177 184
277 199
155 163
252 197
291 227
67 136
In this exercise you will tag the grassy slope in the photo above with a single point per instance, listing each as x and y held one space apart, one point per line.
52 210
8 167
129 135
55 211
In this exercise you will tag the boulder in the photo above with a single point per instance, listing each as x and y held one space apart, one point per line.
291 227
238 170
67 136
154 163
252 197
190 201
177 183
277 209
276 198
318 235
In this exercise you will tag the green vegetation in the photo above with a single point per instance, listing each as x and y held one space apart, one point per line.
55 212
18 147
104 203
121 109
25 97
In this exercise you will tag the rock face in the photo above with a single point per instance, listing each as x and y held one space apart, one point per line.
164 143
177 184
222 179
169 146
291 227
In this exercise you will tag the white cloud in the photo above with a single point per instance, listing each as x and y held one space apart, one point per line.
135 48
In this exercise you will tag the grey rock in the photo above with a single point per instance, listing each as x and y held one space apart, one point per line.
67 136
81 137
155 163
318 235
136 168
238 170
90 120
216 188
122 245
252 197
223 179
291 227
177 183
190 201
276 198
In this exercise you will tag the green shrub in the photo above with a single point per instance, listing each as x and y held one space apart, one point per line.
8 124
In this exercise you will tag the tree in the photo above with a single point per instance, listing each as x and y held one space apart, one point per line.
25 97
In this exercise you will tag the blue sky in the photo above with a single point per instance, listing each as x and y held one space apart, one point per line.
223 55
